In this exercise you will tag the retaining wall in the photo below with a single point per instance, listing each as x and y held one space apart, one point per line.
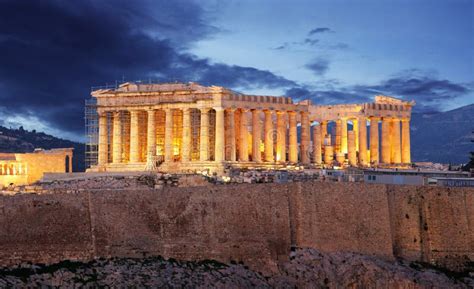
254 223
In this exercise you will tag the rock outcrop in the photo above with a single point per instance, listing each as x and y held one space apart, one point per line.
307 268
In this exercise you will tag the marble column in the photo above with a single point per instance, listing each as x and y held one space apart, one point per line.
232 135
204 137
396 156
281 136
117 139
324 131
317 144
151 136
374 140
305 138
338 138
103 139
406 158
256 136
355 128
351 148
344 135
134 137
219 148
186 144
268 136
244 141
328 154
293 138
70 164
362 141
386 140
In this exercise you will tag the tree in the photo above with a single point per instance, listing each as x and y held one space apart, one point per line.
470 165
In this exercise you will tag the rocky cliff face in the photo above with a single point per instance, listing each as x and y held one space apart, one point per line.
307 268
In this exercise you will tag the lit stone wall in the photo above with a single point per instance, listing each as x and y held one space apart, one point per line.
27 168
256 224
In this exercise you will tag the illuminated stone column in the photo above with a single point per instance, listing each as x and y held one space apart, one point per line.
186 145
117 140
232 136
355 128
317 144
328 154
268 136
362 141
324 131
396 156
256 136
374 140
151 136
219 153
338 138
281 136
293 138
134 137
244 141
305 136
386 140
343 136
103 140
406 158
351 148
204 137
70 164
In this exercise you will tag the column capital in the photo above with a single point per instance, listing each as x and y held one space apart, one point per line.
405 119
244 109
204 109
268 111
218 108
281 112
230 109
374 118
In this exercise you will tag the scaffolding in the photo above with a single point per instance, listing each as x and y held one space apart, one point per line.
91 119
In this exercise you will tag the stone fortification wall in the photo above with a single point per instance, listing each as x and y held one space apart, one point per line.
256 224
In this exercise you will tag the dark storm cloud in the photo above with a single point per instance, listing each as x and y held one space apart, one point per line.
328 96
429 92
319 30
318 66
52 52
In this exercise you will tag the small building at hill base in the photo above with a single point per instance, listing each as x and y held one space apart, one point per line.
27 168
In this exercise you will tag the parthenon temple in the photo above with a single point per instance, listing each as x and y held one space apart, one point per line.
184 127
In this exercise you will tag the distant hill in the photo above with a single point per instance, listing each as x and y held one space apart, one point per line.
443 136
22 141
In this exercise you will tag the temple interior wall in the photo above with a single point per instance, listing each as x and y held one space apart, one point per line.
256 224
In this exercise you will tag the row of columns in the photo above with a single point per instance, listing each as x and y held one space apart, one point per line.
395 147
13 169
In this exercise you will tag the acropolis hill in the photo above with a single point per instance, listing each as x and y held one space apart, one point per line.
187 127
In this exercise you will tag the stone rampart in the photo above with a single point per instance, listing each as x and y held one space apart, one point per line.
253 223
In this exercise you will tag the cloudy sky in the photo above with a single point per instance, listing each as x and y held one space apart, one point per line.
332 51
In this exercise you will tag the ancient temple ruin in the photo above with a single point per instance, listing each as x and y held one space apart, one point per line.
27 168
180 127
